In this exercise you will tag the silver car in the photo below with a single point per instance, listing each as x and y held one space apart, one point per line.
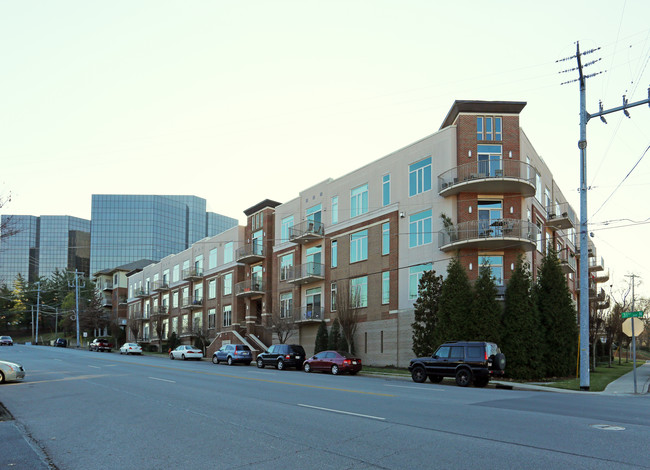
10 372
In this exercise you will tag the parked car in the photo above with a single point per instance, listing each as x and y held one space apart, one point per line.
282 356
6 341
60 343
233 353
10 371
468 361
186 352
130 348
100 344
335 362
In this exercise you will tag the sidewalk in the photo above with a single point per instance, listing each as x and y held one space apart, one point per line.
625 384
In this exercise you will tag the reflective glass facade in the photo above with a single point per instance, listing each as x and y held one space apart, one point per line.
127 228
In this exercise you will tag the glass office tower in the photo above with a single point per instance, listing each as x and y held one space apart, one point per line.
127 228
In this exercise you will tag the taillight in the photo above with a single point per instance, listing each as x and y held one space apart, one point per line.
287 357
346 361
486 356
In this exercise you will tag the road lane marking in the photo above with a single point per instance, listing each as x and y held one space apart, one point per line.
95 367
163 380
80 377
416 388
342 412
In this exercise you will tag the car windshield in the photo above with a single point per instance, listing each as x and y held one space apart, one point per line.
6 337
492 349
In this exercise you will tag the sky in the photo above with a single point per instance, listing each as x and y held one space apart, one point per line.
241 101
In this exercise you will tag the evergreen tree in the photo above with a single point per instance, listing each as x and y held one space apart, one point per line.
343 345
321 338
455 302
521 339
557 317
334 336
425 326
483 319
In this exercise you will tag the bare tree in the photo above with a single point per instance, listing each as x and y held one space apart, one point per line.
8 227
157 321
134 327
284 327
200 333
347 311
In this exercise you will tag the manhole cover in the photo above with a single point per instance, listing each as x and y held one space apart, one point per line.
4 414
608 427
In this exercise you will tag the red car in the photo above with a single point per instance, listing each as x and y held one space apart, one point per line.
333 361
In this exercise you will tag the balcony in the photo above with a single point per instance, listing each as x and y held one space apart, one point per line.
144 339
160 311
192 303
567 261
192 274
560 217
596 265
139 316
161 286
493 235
107 286
250 288
142 293
122 300
250 254
309 314
503 176
107 302
306 231
602 276
303 273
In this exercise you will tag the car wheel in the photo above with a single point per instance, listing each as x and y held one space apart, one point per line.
2 377
436 379
335 369
480 383
500 361
354 372
215 359
260 364
307 367
229 361
280 365
419 375
183 356
171 356
463 377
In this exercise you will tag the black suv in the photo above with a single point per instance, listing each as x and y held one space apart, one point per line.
467 361
282 356
233 353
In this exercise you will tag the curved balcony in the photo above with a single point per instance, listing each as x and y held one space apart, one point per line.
602 276
503 176
306 231
249 254
493 235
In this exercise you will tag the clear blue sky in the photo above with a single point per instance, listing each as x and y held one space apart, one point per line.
185 97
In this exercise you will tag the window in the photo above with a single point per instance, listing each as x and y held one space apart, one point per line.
212 259
385 238
165 278
359 246
385 190
420 177
359 200
227 252
212 313
488 128
335 253
490 215
186 267
185 325
420 229
496 266
286 304
227 315
415 274
227 284
359 292
335 210
198 265
286 263
313 304
256 242
287 223
385 287
489 160
538 187
314 215
540 241
197 321
333 297
175 274
212 288
549 241
547 201
175 299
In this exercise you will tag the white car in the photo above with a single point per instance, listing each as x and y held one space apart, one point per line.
10 371
186 352
130 348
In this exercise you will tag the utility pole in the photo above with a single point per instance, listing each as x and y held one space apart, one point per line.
584 249
76 294
38 304
56 322
33 324
633 336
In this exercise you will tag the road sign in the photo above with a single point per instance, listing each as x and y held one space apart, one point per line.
632 315
638 326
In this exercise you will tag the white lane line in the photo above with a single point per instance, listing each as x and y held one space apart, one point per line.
95 367
163 380
111 365
60 360
342 412
417 388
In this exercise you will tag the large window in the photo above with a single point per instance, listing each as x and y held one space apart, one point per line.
359 292
212 259
175 273
385 238
488 128
359 246
538 187
227 315
420 229
212 288
286 304
420 177
385 190
314 215
335 210
359 200
489 160
415 274
227 284
287 223
490 215
333 294
227 252
496 266
212 313
286 263
335 253
385 287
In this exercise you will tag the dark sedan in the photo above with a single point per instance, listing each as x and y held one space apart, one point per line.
335 362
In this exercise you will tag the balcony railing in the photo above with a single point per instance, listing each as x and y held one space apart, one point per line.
160 311
560 216
303 273
596 264
107 285
192 274
250 288
602 276
251 253
161 286
306 231
567 261
142 293
503 176
309 313
192 302
493 234
123 300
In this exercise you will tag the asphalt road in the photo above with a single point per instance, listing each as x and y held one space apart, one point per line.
99 410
